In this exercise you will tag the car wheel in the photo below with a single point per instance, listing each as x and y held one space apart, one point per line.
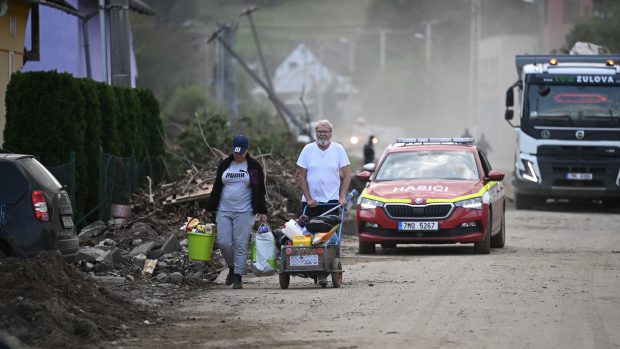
337 275
388 245
499 240
285 279
366 248
484 246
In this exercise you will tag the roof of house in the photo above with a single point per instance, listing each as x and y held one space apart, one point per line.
301 71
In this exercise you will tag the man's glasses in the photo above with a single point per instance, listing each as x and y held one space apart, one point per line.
323 132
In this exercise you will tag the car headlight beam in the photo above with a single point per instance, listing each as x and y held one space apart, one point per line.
474 203
369 204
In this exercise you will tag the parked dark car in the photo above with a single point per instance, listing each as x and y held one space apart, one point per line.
35 210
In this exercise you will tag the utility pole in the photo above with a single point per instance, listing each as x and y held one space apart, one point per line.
289 118
104 48
474 63
428 37
382 44
542 39
119 37
225 81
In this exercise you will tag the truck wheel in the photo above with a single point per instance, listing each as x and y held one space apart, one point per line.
524 202
285 279
484 246
499 240
366 248
337 275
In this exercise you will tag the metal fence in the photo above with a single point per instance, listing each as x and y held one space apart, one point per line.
65 173
119 178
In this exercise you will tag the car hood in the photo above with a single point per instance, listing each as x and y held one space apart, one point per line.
422 189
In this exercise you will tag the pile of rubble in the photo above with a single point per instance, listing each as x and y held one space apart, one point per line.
118 251
135 265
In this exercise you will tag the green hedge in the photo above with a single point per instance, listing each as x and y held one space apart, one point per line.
51 114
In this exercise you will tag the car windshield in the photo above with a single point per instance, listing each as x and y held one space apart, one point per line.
436 164
574 104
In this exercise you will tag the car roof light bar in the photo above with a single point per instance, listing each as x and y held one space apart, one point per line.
460 140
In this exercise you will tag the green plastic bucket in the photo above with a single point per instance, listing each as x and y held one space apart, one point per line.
199 246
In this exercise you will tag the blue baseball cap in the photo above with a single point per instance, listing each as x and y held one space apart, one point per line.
239 144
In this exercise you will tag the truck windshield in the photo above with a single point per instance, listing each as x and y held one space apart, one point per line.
573 104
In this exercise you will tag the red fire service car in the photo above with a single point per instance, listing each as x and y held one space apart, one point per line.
432 191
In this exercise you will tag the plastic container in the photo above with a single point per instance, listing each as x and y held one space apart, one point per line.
292 229
301 240
199 246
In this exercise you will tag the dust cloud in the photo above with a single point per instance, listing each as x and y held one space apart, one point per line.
415 80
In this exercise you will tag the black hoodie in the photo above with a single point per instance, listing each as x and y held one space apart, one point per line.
257 184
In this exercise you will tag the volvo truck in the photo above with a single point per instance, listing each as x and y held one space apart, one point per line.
568 128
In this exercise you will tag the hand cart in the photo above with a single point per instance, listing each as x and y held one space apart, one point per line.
317 260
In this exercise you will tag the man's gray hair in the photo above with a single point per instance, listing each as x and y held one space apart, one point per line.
324 122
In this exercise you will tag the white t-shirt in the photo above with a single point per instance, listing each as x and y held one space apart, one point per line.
236 192
323 170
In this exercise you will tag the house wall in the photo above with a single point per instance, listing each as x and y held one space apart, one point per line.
61 44
12 34
560 16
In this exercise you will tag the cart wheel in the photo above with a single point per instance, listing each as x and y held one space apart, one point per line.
285 279
337 275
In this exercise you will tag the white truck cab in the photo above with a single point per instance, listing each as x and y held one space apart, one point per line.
568 131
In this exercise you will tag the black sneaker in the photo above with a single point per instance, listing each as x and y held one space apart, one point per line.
230 276
322 280
237 281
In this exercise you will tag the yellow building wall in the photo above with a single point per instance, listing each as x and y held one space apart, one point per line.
12 38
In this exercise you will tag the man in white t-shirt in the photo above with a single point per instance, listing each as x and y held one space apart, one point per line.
320 166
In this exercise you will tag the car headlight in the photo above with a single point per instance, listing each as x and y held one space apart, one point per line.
474 204
367 204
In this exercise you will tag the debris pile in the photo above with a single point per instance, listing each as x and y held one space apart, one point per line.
117 251
47 303
141 253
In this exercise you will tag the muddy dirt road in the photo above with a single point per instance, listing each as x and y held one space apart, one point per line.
556 284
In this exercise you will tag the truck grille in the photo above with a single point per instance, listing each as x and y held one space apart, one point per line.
575 151
400 211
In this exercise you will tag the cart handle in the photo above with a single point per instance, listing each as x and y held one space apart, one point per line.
350 199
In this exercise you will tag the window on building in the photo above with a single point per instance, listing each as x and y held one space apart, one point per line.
12 25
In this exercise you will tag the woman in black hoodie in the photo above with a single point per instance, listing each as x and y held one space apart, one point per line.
238 194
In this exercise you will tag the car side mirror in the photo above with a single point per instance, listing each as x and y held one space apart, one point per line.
363 176
495 175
